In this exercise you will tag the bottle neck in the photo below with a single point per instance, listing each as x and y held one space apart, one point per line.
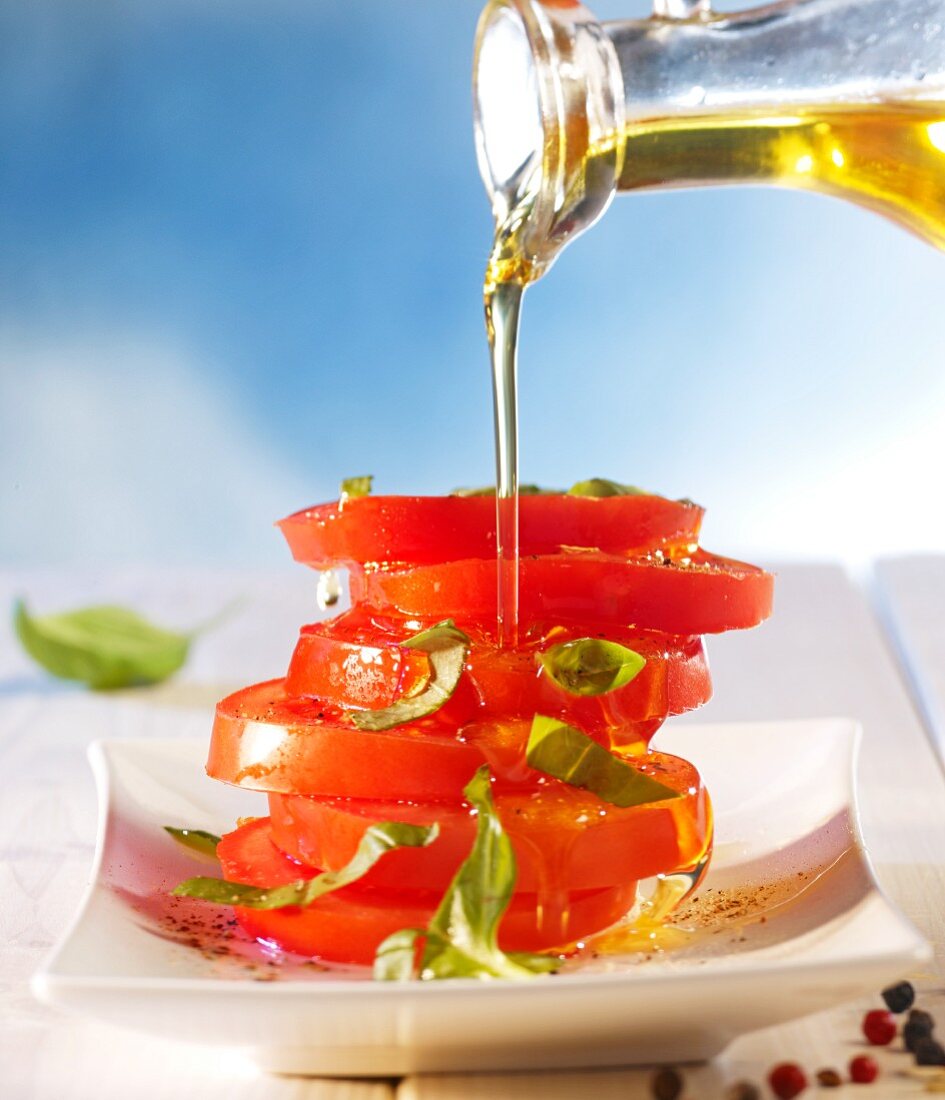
782 58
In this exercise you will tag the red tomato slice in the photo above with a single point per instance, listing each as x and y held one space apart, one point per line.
353 674
426 530
348 925
350 663
564 838
707 595
266 740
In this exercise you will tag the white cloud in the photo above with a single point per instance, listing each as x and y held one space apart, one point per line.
116 448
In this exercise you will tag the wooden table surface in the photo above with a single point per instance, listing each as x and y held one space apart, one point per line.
875 652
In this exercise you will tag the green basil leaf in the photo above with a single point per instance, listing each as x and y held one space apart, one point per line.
591 666
603 487
103 647
196 839
568 754
379 839
461 941
447 647
396 957
489 491
356 486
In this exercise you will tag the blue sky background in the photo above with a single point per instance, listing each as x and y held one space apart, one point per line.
242 248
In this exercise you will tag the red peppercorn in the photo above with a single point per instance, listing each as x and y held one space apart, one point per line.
787 1080
879 1027
863 1070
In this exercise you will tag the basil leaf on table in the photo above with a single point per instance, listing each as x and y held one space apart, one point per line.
603 487
461 940
103 647
447 647
198 840
566 753
379 839
356 486
591 666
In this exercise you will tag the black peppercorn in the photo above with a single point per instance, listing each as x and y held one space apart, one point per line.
918 1026
929 1052
899 997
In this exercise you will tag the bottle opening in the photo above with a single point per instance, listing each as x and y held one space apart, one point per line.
509 129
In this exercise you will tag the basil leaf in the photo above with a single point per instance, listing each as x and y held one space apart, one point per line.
489 491
461 940
103 647
603 487
356 486
568 754
379 839
396 957
196 839
591 666
447 647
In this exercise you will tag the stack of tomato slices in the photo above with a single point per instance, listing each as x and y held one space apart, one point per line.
623 569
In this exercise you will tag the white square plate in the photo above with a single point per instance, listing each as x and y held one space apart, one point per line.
792 921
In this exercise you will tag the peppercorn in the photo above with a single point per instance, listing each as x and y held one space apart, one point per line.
929 1052
863 1070
879 1027
918 1026
743 1090
666 1084
787 1080
900 997
829 1079
922 1019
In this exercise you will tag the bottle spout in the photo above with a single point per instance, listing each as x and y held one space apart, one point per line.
681 10
549 115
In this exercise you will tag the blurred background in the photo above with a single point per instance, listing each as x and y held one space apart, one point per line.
242 251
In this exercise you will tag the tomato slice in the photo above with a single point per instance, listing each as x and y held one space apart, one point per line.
353 673
426 530
564 838
702 594
348 925
267 740
350 663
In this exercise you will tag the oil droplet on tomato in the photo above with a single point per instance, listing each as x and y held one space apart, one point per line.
328 591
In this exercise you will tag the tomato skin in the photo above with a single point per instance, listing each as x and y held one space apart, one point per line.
559 834
348 925
427 530
707 596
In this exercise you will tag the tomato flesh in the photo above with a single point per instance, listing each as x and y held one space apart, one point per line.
348 925
267 740
563 837
351 665
426 530
706 595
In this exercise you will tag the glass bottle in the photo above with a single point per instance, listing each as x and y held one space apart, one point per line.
844 97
